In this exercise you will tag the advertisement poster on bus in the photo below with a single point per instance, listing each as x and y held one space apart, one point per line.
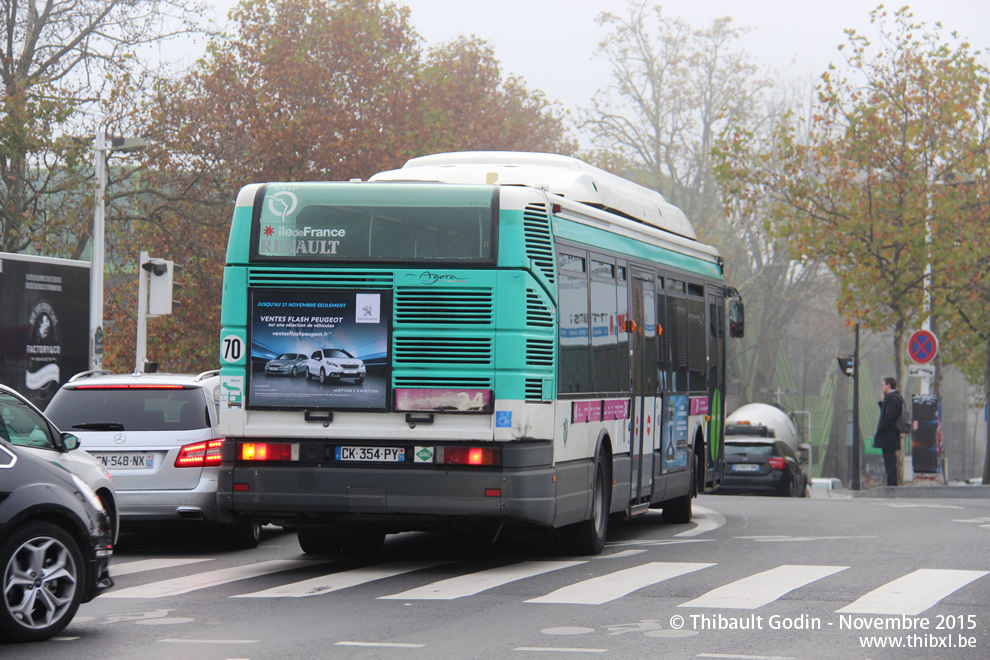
675 435
44 323
319 350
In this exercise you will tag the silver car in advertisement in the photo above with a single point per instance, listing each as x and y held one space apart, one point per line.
287 364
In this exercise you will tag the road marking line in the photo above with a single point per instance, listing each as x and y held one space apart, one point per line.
551 649
618 584
705 522
387 645
621 553
142 565
210 641
336 581
760 589
473 583
787 539
914 593
208 579
728 656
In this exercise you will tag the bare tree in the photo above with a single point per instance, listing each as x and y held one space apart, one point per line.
60 59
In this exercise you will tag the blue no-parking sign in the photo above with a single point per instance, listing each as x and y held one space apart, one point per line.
922 346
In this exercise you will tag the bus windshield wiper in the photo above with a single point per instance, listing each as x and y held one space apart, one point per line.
100 426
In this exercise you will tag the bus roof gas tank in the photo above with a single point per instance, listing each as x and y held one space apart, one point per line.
762 420
568 177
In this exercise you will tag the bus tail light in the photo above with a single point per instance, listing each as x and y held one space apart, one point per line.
199 454
268 451
470 456
777 462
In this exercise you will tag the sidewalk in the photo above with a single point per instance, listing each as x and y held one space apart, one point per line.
956 490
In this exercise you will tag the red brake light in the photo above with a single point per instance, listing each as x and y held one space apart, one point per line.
268 451
130 386
470 456
778 462
200 454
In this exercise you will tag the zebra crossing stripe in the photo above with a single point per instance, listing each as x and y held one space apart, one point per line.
143 565
760 589
914 593
336 581
208 579
474 583
618 584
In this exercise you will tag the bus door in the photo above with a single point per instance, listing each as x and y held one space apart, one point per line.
643 347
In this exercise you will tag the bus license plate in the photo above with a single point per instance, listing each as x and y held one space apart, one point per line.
126 460
372 454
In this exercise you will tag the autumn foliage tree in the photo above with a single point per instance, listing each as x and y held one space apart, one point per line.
59 60
863 185
306 90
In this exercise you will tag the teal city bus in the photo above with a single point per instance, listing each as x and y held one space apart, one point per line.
490 339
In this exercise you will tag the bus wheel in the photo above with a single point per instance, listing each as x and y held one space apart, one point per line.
317 541
588 537
679 510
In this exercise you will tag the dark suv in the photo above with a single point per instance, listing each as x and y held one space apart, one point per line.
55 545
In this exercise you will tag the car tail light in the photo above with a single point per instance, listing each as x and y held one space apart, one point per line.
199 454
268 451
469 456
778 463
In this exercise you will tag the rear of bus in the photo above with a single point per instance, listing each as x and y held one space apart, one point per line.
442 414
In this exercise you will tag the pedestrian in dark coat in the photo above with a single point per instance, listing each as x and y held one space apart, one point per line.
887 437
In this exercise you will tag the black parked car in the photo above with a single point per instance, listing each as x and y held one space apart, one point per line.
762 466
55 545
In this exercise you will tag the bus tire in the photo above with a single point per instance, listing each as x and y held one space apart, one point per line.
680 510
317 541
588 537
243 535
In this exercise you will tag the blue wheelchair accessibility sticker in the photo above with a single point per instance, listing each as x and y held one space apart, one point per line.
503 419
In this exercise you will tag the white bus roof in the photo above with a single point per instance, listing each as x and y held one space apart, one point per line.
558 175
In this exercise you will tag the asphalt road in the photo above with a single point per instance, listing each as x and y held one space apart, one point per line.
750 578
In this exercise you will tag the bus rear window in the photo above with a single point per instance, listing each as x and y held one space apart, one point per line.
374 222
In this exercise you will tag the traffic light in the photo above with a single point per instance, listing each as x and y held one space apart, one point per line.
160 272
847 365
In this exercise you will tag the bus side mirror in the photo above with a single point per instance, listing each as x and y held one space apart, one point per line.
737 318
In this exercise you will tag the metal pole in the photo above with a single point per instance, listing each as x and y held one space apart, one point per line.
857 442
925 385
96 267
141 352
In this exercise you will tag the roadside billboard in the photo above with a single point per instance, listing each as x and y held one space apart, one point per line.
319 350
44 323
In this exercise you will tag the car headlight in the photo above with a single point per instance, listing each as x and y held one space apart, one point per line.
88 494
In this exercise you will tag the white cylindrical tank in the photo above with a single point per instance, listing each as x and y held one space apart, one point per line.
763 414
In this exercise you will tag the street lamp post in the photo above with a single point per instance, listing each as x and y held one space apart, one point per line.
101 149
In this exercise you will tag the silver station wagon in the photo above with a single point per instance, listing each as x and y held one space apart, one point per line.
157 434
